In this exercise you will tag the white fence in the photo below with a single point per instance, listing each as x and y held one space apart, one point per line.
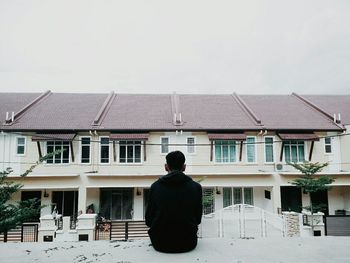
242 221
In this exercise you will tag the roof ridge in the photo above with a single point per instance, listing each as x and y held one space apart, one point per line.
26 108
317 108
104 109
247 109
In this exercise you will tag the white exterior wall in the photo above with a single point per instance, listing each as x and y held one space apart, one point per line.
259 175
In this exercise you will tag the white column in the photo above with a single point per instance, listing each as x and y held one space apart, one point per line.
82 199
276 198
138 204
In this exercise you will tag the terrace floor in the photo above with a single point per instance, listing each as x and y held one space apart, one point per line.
273 249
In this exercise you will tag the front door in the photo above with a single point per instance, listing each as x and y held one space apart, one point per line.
66 202
320 201
117 203
291 198
26 195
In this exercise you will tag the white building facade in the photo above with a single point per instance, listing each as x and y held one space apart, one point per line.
114 147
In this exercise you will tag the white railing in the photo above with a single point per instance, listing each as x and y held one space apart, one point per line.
242 221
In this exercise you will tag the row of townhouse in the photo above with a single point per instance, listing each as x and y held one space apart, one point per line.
114 146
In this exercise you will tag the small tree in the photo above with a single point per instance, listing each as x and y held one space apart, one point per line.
12 215
309 183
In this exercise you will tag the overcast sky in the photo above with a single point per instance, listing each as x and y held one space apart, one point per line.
187 46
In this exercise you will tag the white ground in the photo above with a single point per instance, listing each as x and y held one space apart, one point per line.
313 249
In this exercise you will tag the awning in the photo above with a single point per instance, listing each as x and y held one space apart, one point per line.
128 136
53 137
298 136
227 136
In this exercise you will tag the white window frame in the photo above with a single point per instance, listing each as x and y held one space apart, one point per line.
273 149
69 153
225 163
255 150
24 145
81 149
99 150
188 145
305 151
141 152
242 195
161 145
328 144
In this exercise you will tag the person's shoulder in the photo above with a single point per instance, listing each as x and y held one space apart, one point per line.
193 182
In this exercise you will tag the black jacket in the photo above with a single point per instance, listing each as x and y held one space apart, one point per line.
174 212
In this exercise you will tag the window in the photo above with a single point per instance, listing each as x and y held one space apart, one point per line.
164 148
269 150
190 145
63 156
225 151
130 151
20 145
104 150
251 150
208 201
85 150
328 145
237 195
294 151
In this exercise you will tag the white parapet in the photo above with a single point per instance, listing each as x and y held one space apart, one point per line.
86 226
47 228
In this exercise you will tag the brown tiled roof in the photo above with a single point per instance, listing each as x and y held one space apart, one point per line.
61 111
333 104
146 112
287 112
14 102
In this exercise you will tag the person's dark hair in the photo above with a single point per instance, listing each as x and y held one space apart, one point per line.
175 160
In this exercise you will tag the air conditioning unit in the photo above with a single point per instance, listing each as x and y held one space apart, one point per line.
279 167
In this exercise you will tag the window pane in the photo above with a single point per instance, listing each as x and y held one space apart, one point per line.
208 201
130 153
65 154
269 150
137 154
190 145
227 196
328 149
294 153
233 151
218 154
104 140
301 152
20 149
164 146
85 154
122 153
85 141
287 152
57 157
250 150
104 144
248 196
225 153
49 149
104 154
237 195
20 141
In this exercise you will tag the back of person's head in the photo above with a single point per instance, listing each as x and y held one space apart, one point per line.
175 160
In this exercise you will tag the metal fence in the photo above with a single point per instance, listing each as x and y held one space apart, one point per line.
121 230
27 232
242 221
